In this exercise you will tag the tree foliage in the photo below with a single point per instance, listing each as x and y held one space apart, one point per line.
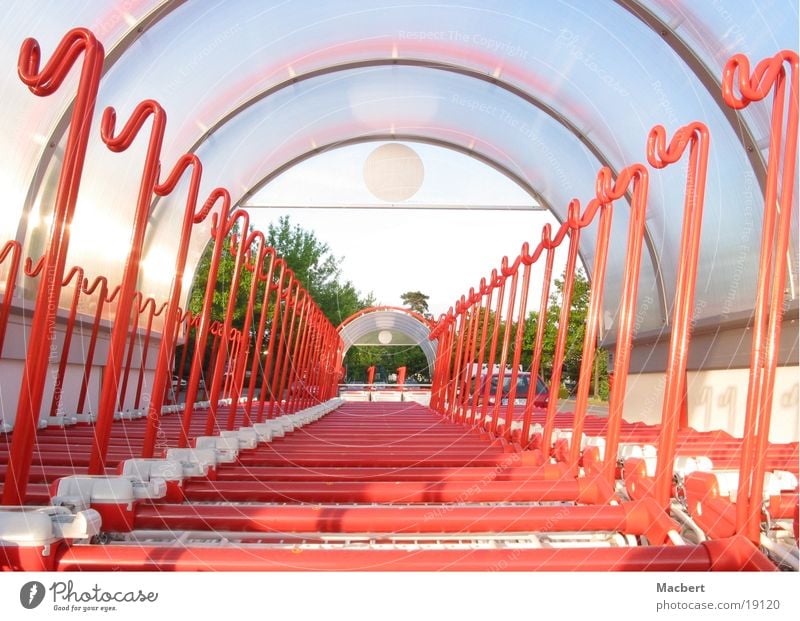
309 258
317 269
416 301
575 334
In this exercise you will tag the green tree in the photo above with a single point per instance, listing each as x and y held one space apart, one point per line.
575 333
317 269
416 301
310 259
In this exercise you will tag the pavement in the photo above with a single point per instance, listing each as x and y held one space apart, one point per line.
568 405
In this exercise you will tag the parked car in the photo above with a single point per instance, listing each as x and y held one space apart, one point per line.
541 398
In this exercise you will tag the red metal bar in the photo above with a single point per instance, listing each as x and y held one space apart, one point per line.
461 312
137 311
230 364
295 376
541 323
659 155
573 225
222 354
43 82
204 323
500 283
111 374
505 271
103 297
242 351
75 273
266 278
768 76
12 249
723 555
299 309
287 319
301 387
162 377
145 349
486 291
442 363
608 191
472 345
518 341
273 338
593 319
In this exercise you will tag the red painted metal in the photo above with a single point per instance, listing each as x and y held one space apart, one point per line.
125 303
12 249
735 554
288 306
43 82
593 319
153 313
460 331
610 190
76 274
513 272
486 291
204 323
273 339
769 76
572 225
162 377
659 155
103 297
218 375
500 284
538 343
248 240
139 307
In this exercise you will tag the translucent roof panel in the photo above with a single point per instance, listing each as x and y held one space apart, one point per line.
547 91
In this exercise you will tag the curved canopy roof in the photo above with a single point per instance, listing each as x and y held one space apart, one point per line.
545 92
385 326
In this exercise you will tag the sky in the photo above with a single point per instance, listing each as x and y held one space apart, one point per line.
388 249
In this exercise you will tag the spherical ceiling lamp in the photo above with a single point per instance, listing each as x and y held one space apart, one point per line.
393 172
384 337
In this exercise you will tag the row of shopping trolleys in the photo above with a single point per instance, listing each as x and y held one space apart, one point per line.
145 508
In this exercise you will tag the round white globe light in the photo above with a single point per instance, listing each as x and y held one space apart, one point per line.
393 172
384 337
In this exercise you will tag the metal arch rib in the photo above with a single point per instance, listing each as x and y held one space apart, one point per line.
61 126
562 119
438 142
710 81
401 322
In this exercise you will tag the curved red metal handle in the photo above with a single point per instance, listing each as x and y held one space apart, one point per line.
660 155
609 189
12 247
89 290
757 85
47 80
266 251
76 271
31 269
120 142
113 293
